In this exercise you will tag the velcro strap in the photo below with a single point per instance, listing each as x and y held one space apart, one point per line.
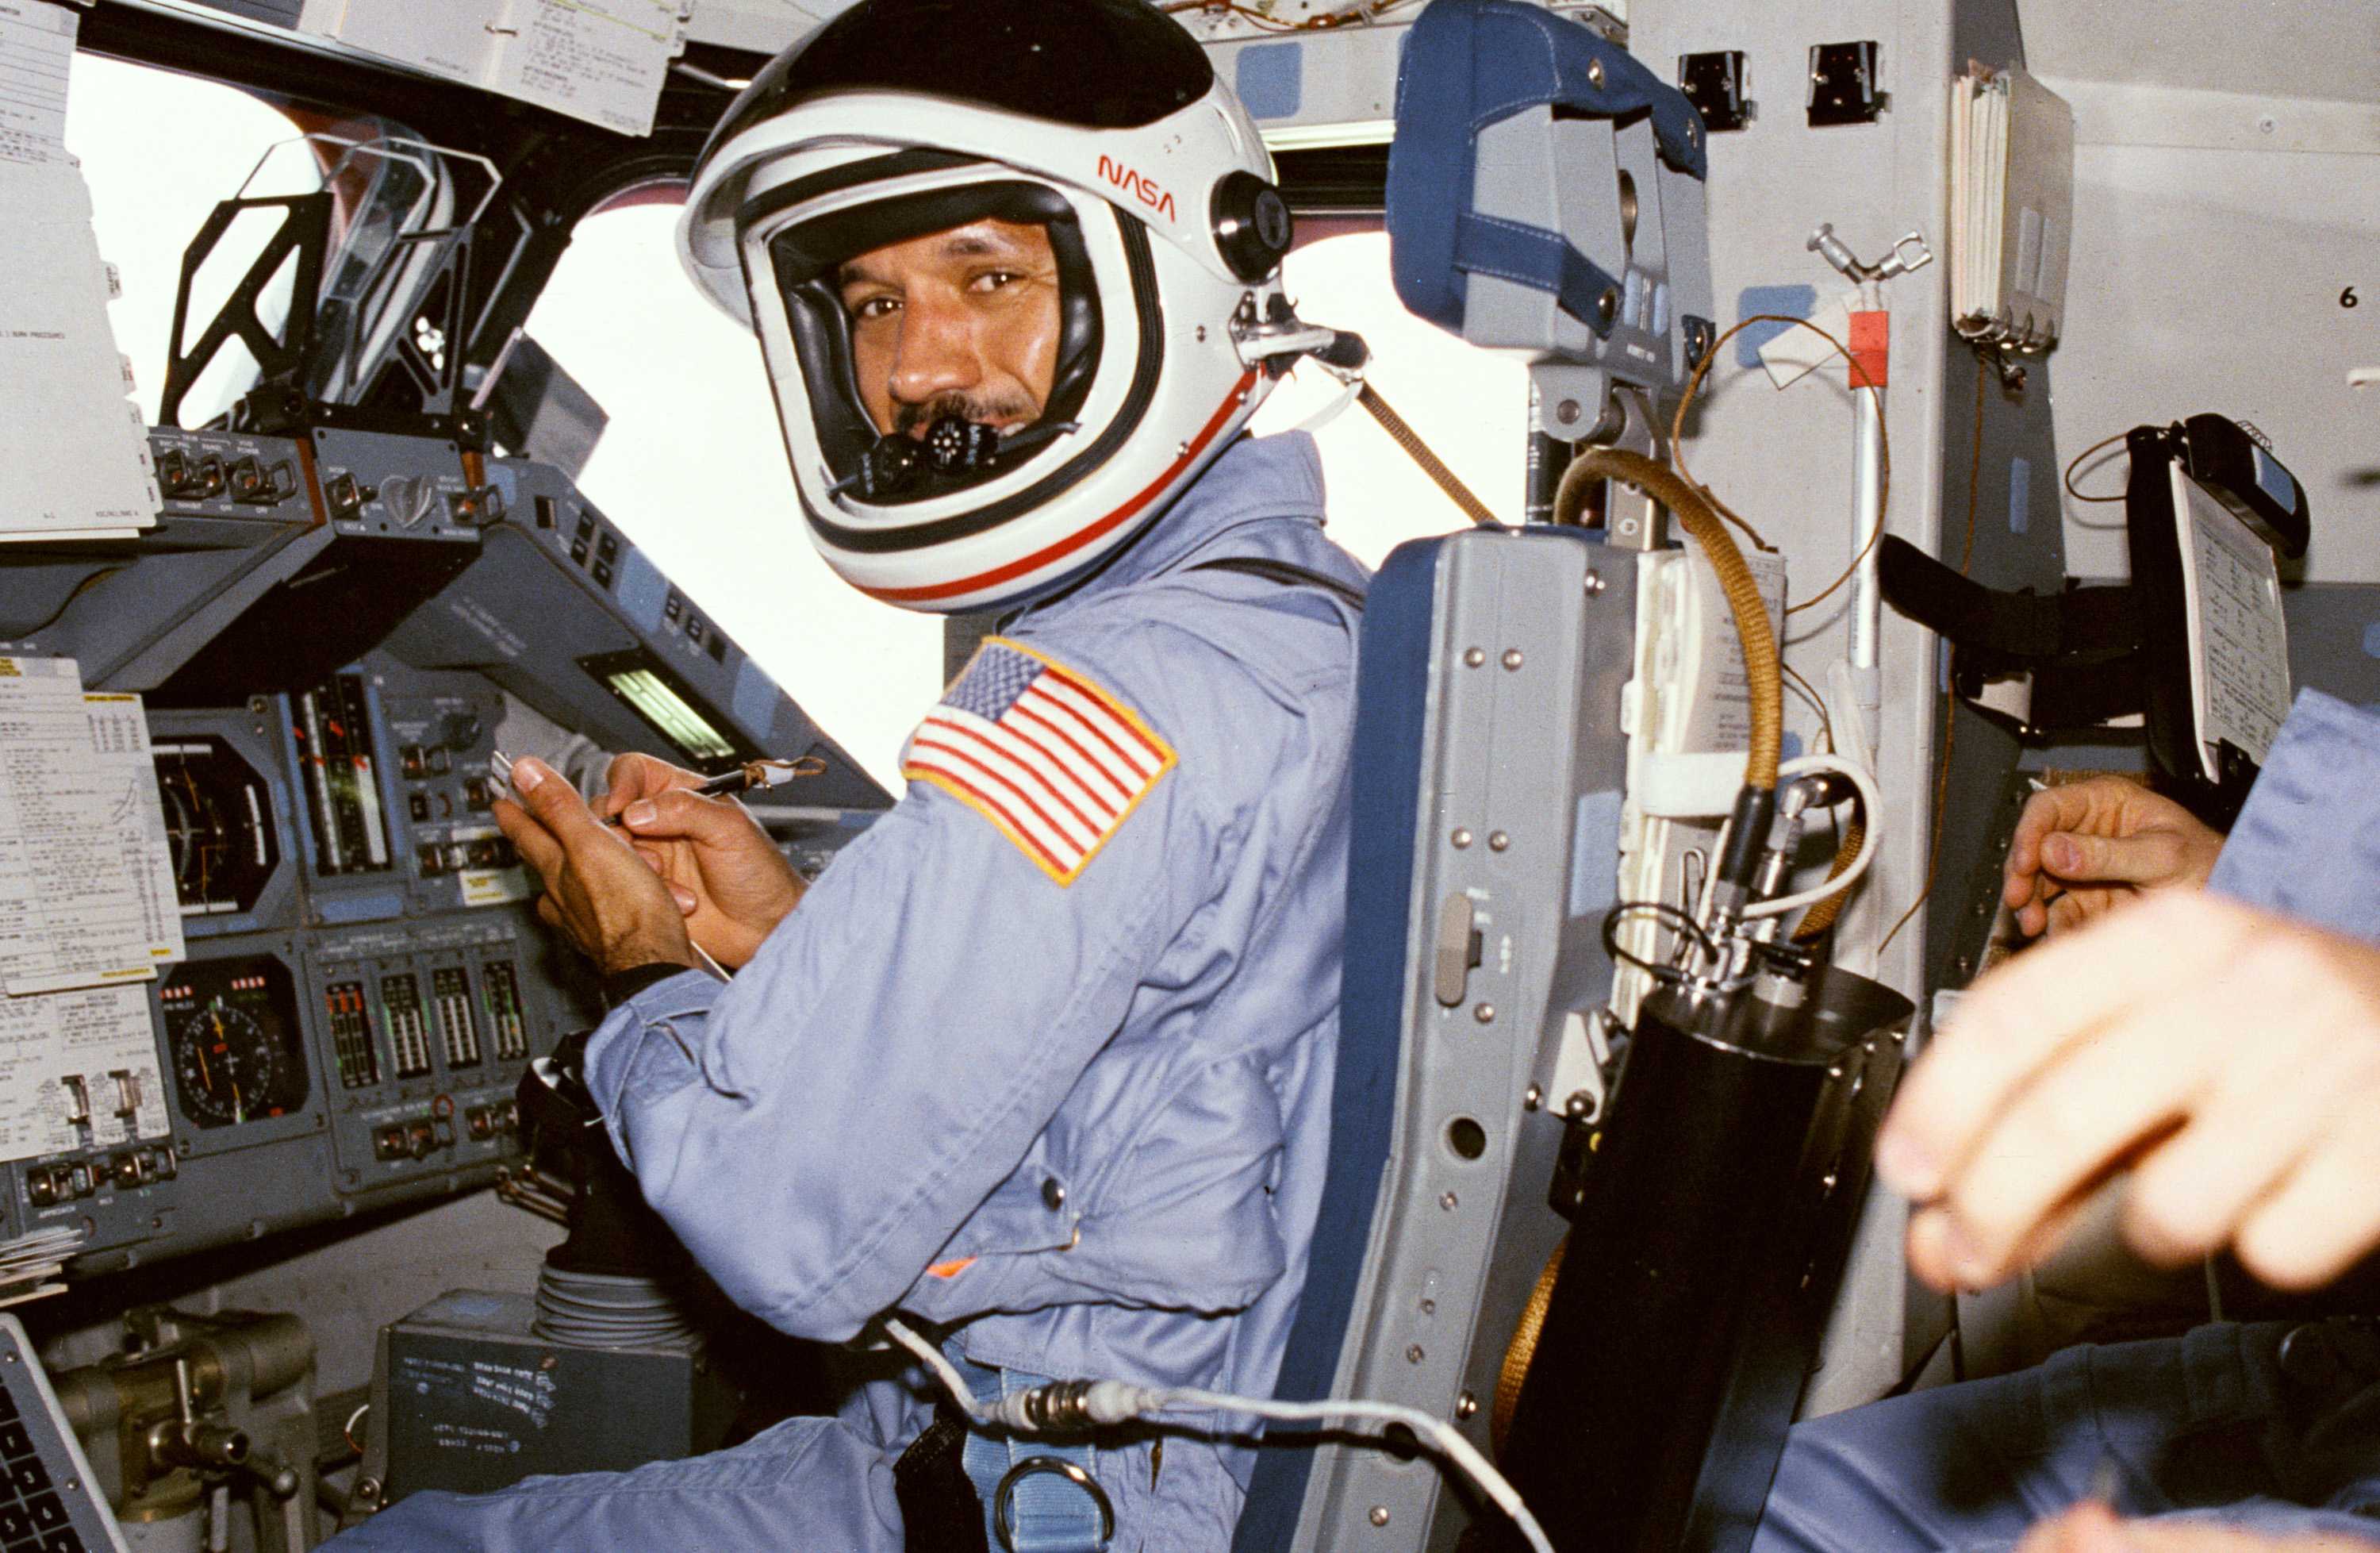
1534 257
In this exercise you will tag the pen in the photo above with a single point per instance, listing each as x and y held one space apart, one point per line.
743 779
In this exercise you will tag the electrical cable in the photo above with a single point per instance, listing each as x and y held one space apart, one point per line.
2077 463
1761 661
1404 436
1951 696
1076 1403
1677 917
1809 692
1884 441
1871 800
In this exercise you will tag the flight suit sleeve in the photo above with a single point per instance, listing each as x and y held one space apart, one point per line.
816 1129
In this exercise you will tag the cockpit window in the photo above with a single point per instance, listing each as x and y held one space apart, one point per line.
1470 407
692 465
150 192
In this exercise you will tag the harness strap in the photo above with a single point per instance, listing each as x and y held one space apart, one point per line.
1033 1488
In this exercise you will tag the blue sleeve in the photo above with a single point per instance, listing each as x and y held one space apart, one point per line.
817 1128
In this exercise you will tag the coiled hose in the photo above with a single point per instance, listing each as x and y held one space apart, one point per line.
1761 663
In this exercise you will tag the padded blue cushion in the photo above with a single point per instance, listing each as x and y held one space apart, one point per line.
1469 64
1391 706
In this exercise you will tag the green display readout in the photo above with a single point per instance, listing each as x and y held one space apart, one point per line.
667 710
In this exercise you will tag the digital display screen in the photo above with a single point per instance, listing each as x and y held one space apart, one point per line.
640 683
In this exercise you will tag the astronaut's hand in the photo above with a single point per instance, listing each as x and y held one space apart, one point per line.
613 907
724 873
2082 848
2230 1060
2094 1528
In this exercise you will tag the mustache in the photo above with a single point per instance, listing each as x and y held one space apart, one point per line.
911 419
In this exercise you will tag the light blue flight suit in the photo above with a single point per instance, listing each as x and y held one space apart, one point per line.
2217 1426
1099 1110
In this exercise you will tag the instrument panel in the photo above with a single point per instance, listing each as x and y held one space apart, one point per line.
365 977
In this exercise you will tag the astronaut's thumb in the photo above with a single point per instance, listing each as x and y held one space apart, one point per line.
2152 858
682 815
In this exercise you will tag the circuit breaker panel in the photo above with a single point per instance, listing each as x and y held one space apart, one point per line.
325 634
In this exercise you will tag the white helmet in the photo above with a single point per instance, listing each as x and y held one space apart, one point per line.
1101 120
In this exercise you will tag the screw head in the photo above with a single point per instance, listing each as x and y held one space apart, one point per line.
1594 72
1465 1405
1484 1013
1449 1201
1580 1106
1513 657
1414 1355
1568 412
1532 1098
1460 839
1379 1515
1472 658
1498 841
1594 583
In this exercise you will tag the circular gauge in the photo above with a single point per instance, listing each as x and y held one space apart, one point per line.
226 1068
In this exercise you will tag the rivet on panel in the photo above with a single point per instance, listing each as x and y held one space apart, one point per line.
1460 839
1414 1355
1465 1405
1532 1098
1474 656
1484 1013
1379 1515
1498 841
1448 1200
1594 583
1512 657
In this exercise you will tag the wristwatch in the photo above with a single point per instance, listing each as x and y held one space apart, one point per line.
618 987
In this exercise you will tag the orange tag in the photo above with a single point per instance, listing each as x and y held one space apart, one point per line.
950 1269
1871 348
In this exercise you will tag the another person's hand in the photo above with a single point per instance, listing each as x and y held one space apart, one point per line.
2085 847
2228 1057
2094 1528
613 907
724 873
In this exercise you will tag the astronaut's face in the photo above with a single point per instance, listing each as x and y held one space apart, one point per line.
963 322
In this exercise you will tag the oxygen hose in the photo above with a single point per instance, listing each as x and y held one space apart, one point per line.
1404 436
1761 664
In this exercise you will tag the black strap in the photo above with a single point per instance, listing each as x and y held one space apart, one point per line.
618 987
940 1511
1287 574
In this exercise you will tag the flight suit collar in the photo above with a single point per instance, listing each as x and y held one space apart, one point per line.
1256 479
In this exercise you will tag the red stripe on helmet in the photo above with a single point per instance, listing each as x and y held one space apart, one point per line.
1089 531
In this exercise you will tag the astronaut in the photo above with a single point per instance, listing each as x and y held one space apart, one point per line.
1042 1061
2227 1056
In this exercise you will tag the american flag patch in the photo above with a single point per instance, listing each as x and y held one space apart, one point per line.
1037 748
